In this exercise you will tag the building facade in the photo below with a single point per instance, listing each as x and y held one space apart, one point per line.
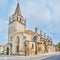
25 42
1 49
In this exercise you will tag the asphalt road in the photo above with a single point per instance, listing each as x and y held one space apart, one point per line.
55 57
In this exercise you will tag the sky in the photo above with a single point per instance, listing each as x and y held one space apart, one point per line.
44 14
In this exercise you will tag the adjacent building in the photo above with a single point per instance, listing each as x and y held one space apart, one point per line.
1 49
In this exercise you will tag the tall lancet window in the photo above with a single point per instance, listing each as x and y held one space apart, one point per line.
17 47
17 18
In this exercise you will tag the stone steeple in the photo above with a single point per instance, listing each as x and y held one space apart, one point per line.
17 11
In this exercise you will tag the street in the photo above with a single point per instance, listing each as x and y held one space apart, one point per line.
55 56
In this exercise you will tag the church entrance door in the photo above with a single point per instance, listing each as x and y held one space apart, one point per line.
7 51
17 49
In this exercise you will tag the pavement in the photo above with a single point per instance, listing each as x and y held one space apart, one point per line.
47 56
55 57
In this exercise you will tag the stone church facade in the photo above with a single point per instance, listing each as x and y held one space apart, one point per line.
25 42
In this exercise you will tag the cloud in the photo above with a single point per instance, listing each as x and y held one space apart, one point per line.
44 14
42 11
3 2
12 8
37 10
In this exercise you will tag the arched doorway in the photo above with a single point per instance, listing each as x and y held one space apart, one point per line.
17 47
7 51
35 48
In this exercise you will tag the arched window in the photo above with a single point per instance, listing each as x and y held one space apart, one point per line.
32 46
17 40
17 18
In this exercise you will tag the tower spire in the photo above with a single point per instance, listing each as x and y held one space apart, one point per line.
18 0
18 11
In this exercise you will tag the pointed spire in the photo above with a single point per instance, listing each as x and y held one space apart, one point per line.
40 32
48 36
44 34
18 11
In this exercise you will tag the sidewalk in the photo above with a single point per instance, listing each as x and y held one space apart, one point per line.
42 56
46 54
33 57
38 55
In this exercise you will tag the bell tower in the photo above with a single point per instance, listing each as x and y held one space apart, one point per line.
16 23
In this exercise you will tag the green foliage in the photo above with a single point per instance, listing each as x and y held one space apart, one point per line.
1 53
58 46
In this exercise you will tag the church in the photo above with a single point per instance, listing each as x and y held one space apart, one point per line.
25 42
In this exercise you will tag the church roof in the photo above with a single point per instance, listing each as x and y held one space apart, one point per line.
1 45
30 32
17 11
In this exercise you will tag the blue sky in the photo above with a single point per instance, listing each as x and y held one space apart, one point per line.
44 14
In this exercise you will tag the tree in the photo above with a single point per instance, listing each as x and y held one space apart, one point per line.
58 46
